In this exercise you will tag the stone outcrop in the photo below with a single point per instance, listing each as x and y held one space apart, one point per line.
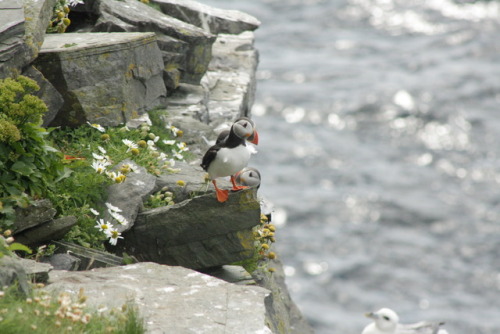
196 233
187 48
124 80
213 20
185 301
36 224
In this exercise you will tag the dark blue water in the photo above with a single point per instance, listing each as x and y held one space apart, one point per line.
380 142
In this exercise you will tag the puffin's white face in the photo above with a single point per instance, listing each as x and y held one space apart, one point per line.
243 128
385 319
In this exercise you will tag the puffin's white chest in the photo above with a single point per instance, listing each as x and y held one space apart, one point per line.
229 161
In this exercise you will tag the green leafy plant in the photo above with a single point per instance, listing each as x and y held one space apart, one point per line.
29 166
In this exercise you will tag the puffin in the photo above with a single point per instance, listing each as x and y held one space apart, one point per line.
230 155
225 133
386 321
249 177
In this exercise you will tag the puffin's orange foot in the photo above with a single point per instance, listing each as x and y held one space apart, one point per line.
238 188
222 195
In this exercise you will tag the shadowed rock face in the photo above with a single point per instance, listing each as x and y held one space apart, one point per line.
105 78
196 233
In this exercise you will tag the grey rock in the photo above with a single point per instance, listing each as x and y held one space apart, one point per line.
132 15
37 213
12 272
63 261
47 93
51 230
13 51
196 233
231 77
22 31
130 194
281 310
89 258
170 299
232 274
105 78
213 20
37 272
37 15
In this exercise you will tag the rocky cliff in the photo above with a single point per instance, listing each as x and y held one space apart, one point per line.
115 62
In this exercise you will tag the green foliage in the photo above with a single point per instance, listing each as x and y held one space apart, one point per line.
44 313
28 165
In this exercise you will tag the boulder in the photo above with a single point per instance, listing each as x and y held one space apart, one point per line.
191 54
196 233
36 271
47 93
22 29
37 213
213 20
51 230
129 195
37 14
105 78
14 53
88 258
170 299
13 273
63 262
231 77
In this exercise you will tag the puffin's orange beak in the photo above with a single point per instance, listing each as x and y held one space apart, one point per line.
255 138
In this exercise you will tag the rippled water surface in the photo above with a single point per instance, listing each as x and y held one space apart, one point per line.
380 142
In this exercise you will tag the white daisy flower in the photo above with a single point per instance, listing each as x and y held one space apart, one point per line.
112 208
151 145
102 225
99 166
101 149
130 144
182 147
95 212
119 218
113 236
97 126
168 142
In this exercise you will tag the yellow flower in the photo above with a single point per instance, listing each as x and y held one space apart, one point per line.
142 143
181 183
135 151
105 137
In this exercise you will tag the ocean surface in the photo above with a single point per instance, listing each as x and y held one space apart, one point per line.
379 125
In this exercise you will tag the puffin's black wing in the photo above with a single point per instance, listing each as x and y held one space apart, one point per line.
209 156
222 137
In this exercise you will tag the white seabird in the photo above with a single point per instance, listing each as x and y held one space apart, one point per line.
386 321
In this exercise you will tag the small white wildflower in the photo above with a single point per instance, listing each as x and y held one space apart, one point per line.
151 145
119 218
97 126
177 155
162 156
182 147
73 3
168 142
100 148
98 166
102 225
130 144
112 208
113 236
95 212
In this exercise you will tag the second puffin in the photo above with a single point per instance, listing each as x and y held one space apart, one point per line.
230 155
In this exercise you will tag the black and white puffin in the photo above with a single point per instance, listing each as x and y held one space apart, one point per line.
230 155
249 177
225 133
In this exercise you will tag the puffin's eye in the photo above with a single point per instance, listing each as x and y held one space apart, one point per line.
251 174
386 318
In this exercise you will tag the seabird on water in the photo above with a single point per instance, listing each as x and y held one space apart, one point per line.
386 321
